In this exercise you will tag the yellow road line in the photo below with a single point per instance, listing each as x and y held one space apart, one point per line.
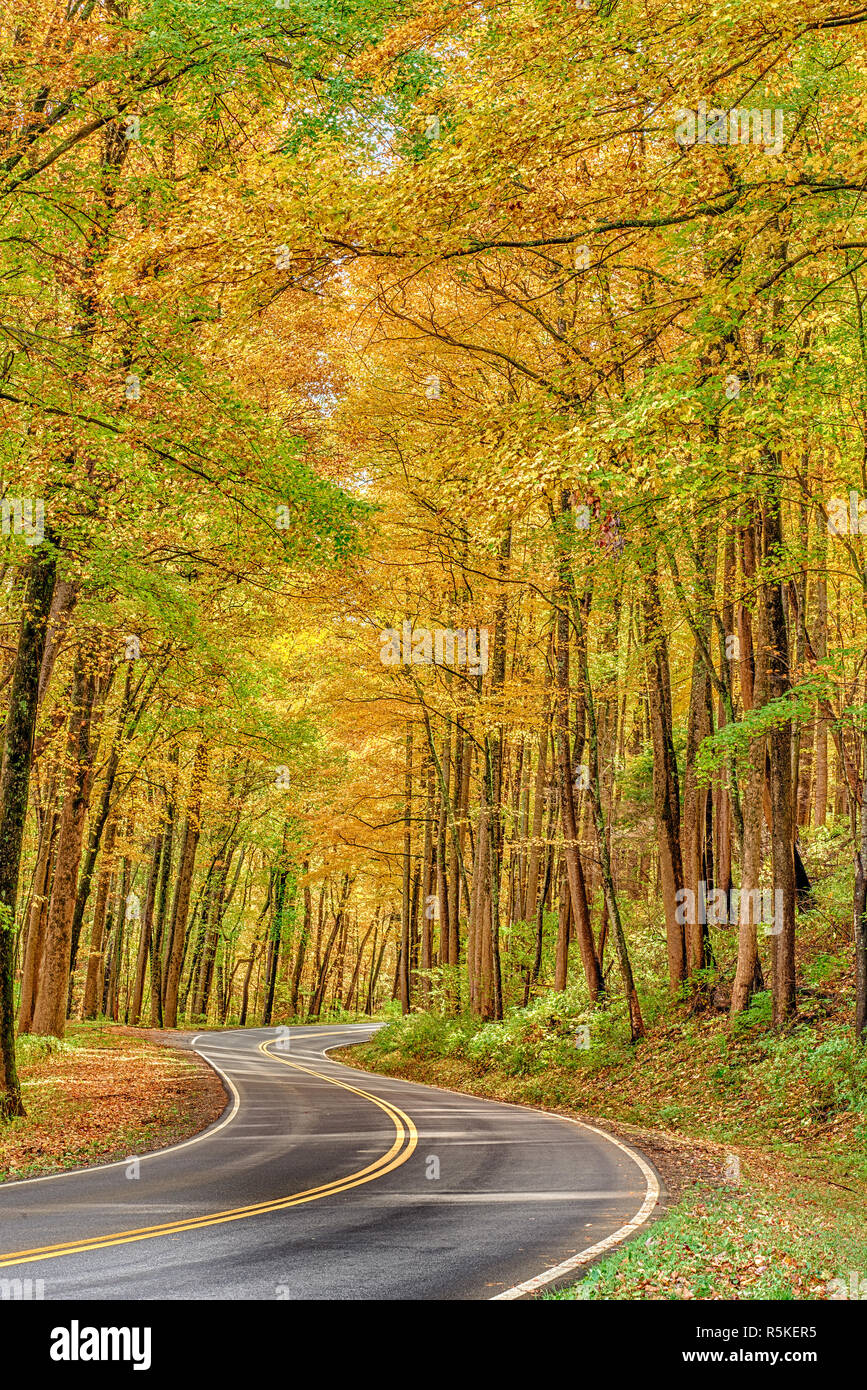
406 1139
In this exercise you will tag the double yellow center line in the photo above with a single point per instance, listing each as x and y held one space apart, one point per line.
405 1141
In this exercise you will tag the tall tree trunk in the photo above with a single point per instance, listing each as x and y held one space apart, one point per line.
860 911
374 974
303 939
456 875
39 581
780 752
571 850
144 944
204 941
693 819
275 941
358 959
163 895
535 857
428 870
406 906
480 962
751 868
38 918
666 797
49 1016
183 888
321 983
636 1022
115 977
99 821
92 1000
442 879
245 993
820 645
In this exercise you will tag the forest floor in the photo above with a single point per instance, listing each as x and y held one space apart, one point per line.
781 1222
103 1093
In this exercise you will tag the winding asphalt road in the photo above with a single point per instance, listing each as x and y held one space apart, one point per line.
322 1182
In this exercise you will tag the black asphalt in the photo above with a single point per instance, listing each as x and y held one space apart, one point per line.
488 1196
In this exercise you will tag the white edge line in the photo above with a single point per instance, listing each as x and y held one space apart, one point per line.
555 1272
208 1133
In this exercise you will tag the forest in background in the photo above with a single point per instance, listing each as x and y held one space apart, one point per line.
434 482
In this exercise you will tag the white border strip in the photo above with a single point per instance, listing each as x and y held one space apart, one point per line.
548 1276
555 1272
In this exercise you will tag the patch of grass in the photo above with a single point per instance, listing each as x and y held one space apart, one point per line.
733 1244
30 1048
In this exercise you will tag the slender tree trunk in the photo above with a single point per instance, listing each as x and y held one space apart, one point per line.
245 993
442 879
571 850
115 978
99 821
358 958
38 918
374 971
406 907
536 852
428 870
303 939
92 1000
39 581
144 945
564 929
183 887
49 1016
780 750
860 910
820 644
666 798
751 867
321 983
163 898
480 944
455 849
275 942
636 1022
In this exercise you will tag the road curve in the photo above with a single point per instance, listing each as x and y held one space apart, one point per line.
323 1182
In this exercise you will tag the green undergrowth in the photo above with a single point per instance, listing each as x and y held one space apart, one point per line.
801 1094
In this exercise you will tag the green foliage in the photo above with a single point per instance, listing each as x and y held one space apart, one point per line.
32 1047
830 1074
424 1035
824 967
757 1016
731 744
528 1040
